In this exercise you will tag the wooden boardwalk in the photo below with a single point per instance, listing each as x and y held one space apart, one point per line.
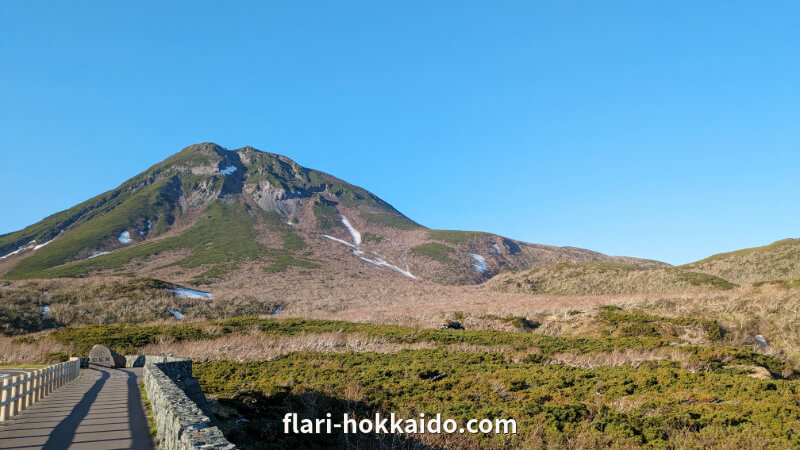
100 410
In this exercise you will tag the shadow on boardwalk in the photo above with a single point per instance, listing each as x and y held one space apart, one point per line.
100 410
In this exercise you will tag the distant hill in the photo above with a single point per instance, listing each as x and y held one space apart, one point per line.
208 214
604 278
777 261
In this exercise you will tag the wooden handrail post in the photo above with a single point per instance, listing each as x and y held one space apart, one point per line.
35 387
12 410
4 409
20 393
26 399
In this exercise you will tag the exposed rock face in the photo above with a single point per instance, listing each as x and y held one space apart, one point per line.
271 198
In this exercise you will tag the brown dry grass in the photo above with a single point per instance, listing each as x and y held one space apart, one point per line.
13 351
256 346
778 260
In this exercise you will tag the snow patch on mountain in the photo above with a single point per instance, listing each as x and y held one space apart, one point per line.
95 255
21 248
190 293
495 248
377 261
45 310
353 232
125 238
42 245
147 231
228 170
176 314
338 240
481 266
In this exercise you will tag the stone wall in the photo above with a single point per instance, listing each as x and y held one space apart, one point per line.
182 424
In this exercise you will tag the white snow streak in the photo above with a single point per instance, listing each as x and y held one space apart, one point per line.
149 226
190 293
30 245
95 255
228 170
381 263
378 261
125 238
496 248
481 266
177 315
339 241
42 245
45 310
353 232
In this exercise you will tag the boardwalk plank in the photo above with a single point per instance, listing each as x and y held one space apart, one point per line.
100 410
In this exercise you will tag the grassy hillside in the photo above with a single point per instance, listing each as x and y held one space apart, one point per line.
224 235
630 389
152 195
777 261
603 278
110 300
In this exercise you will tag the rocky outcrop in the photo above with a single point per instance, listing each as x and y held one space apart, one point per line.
271 198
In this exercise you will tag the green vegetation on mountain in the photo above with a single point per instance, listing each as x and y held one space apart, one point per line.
154 202
281 260
389 220
151 194
455 236
435 251
223 235
326 214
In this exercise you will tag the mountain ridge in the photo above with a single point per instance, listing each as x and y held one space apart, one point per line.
212 208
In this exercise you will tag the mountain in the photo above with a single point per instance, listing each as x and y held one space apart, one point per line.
206 214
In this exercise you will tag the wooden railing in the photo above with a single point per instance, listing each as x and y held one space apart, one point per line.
20 392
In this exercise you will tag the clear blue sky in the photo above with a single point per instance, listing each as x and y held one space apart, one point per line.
666 130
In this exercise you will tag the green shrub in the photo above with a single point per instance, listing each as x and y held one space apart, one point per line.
455 236
435 251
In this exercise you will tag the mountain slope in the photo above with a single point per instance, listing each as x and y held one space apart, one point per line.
777 261
207 213
604 278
